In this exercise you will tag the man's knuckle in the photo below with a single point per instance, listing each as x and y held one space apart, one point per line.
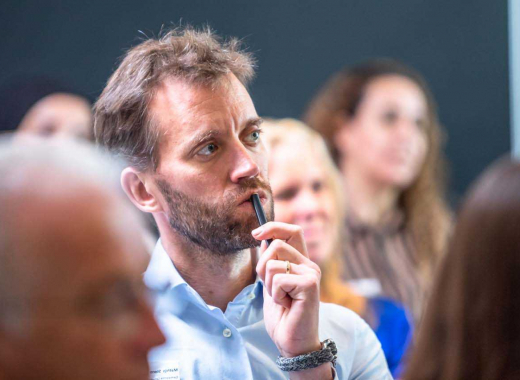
277 244
270 265
312 281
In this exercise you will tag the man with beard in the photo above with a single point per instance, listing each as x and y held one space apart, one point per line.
177 109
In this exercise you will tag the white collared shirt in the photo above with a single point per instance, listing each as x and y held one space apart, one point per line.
205 343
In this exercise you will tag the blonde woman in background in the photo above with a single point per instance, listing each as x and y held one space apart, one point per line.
379 120
307 191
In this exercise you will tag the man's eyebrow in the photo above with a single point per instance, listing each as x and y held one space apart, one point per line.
201 137
254 121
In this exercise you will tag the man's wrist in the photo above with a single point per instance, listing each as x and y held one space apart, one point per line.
324 372
302 350
314 359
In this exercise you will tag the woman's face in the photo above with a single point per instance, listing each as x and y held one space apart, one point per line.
303 196
386 141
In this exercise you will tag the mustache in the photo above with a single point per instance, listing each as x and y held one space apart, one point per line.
246 185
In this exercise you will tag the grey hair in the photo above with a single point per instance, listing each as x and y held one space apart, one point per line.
41 168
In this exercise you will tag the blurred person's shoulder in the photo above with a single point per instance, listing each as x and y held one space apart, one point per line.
359 351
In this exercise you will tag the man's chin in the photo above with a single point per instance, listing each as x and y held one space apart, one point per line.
245 212
243 236
235 245
246 219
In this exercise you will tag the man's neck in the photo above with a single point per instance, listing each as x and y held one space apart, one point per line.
218 279
370 202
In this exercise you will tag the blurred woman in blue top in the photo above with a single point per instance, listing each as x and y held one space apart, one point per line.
307 191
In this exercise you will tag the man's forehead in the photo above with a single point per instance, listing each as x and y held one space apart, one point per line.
177 102
175 97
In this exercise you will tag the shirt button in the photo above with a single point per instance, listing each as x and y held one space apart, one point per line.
226 333
251 296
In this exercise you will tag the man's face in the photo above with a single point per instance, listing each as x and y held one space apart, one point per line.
212 159
86 316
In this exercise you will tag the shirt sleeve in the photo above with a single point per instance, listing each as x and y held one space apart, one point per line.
369 359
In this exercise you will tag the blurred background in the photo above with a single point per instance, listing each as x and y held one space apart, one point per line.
461 47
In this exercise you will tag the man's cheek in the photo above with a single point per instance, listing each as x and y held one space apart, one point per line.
201 189
264 170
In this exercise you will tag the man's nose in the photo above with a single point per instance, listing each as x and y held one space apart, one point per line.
243 164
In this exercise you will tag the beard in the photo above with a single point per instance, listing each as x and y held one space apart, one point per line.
215 227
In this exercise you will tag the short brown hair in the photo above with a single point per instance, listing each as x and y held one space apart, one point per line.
121 120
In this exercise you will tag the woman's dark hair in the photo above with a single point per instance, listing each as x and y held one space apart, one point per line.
471 328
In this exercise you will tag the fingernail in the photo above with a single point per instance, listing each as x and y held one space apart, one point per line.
258 231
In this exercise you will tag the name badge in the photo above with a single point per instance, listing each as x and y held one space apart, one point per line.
164 370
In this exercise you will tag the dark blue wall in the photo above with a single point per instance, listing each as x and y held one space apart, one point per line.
460 47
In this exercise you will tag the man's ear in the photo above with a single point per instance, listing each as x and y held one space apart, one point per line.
139 189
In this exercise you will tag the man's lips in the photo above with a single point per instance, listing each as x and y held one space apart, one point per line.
247 198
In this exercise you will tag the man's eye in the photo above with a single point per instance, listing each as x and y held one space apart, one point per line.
208 150
254 136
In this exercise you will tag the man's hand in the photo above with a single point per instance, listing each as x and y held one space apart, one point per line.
291 301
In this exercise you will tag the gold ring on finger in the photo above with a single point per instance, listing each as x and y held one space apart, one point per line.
287 267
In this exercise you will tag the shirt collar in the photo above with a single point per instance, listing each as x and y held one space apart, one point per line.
257 287
161 273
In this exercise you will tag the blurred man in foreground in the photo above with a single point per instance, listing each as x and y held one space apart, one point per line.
73 305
